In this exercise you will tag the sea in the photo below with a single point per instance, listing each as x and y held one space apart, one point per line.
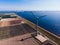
49 20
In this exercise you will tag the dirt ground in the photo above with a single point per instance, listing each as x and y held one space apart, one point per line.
17 40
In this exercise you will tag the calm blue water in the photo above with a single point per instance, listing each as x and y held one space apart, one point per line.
50 22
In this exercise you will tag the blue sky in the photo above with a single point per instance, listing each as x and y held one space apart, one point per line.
43 5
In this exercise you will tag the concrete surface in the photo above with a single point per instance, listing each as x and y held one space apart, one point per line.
41 38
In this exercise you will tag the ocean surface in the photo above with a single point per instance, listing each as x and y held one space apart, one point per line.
49 20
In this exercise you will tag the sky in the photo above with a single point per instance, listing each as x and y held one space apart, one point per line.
39 5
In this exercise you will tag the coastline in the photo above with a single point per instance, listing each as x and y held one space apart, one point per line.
44 32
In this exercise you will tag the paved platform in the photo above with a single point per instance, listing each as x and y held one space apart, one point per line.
41 38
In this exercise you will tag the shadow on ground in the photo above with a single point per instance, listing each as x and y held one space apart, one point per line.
11 31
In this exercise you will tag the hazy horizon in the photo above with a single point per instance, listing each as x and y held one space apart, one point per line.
30 5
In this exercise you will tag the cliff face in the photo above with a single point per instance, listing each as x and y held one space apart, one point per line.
9 21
